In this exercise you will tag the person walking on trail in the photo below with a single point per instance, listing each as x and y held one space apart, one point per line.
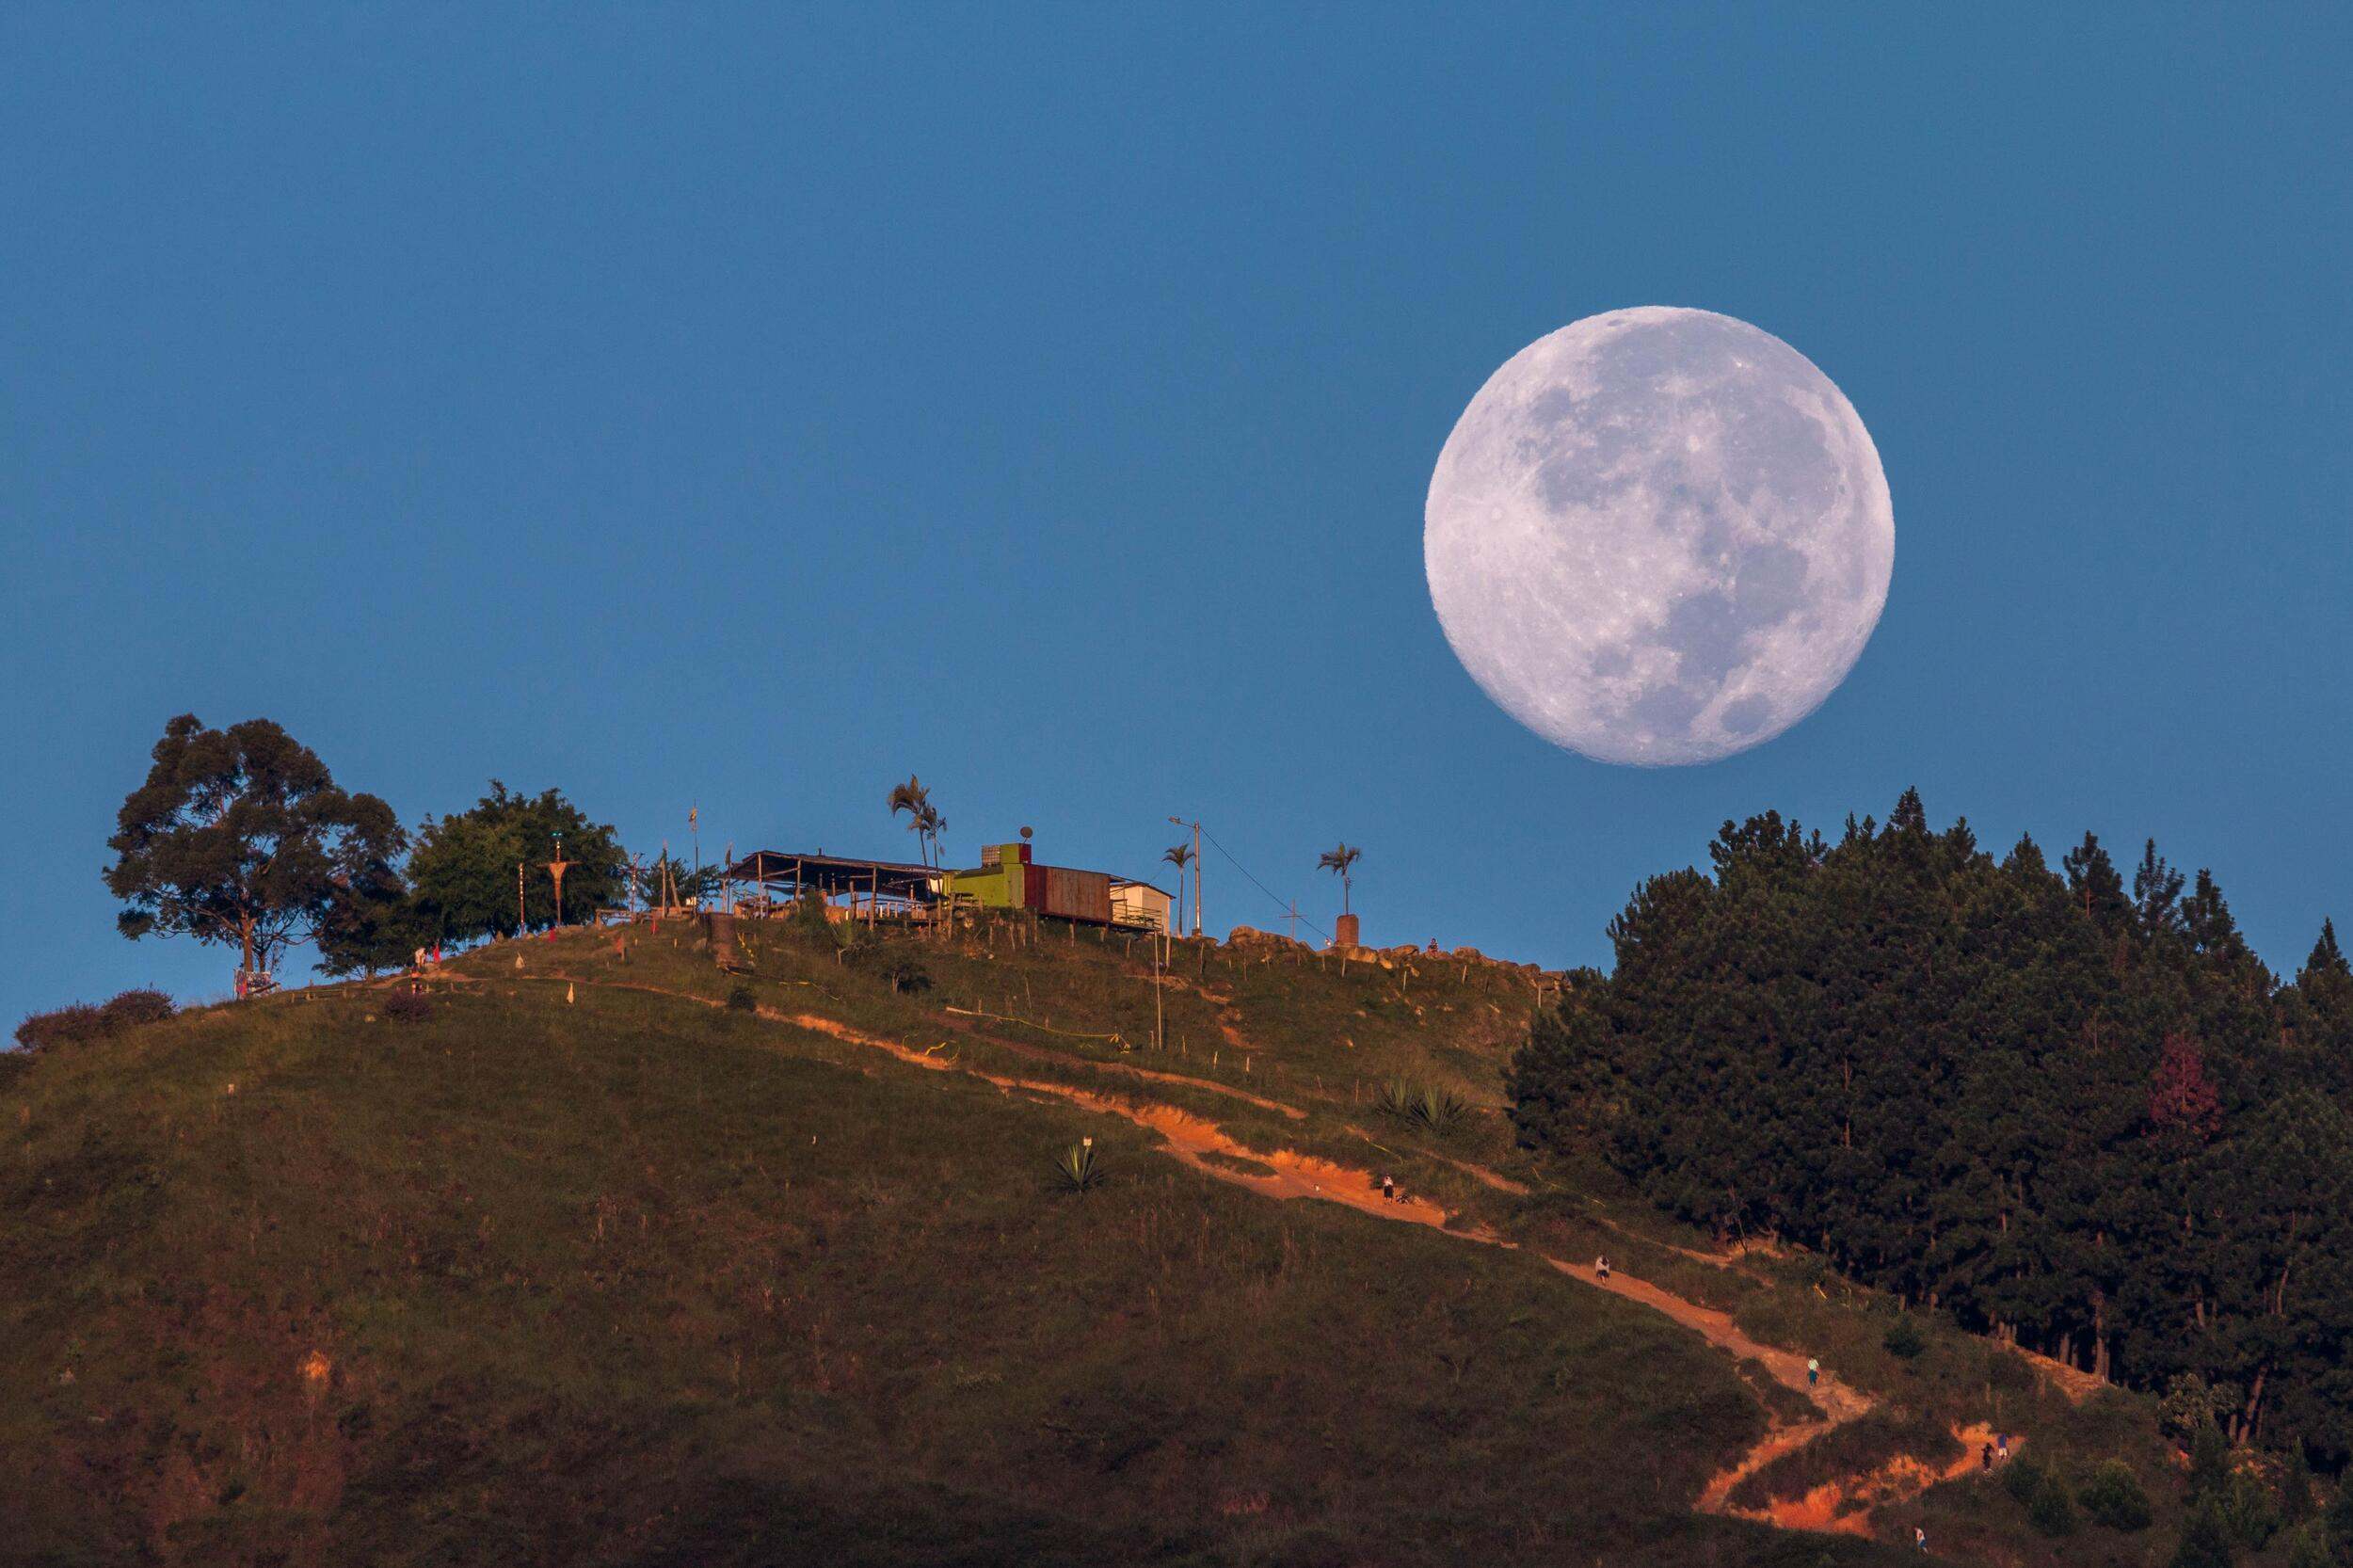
1812 1371
1920 1539
1601 1266
1388 1186
2001 1446
1985 1457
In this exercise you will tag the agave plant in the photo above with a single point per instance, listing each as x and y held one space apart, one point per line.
1425 1106
1077 1170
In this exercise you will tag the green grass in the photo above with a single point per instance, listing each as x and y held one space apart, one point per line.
628 1281
631 1280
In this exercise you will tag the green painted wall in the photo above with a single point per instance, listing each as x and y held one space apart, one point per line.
989 886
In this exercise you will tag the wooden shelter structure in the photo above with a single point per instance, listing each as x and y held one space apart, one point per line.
852 888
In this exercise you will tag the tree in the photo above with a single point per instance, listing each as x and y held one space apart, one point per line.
925 820
666 877
2184 1106
1339 862
1180 856
2209 1463
2205 1539
463 870
1974 1085
241 836
370 926
2326 957
2093 878
2156 895
2113 1496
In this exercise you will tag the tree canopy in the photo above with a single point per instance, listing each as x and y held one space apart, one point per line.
241 836
2073 1112
462 871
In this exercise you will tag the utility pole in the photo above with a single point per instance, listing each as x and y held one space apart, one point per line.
518 899
1196 870
698 832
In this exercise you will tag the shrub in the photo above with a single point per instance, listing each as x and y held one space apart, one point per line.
2337 1522
71 1025
1424 1106
2114 1497
132 1008
408 1007
906 974
2309 1548
2191 1402
2250 1511
2205 1540
2022 1478
2050 1509
2209 1463
742 999
1903 1337
1078 1170
79 1023
810 922
2296 1486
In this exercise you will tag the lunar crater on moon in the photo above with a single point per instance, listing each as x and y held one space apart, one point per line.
1659 535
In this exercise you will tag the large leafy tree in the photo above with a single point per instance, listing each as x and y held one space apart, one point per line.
370 924
241 837
463 871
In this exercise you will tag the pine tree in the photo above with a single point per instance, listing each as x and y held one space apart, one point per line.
2184 1107
2209 1463
2156 895
2326 957
2098 892
2205 1539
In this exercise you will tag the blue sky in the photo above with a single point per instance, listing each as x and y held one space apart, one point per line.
689 407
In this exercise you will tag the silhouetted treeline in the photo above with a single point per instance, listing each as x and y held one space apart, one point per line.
2069 1111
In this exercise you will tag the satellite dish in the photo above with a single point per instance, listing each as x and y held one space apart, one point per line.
1026 833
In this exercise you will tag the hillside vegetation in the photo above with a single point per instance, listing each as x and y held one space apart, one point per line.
2078 1115
612 1256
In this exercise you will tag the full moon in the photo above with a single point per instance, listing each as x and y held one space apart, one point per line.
1659 535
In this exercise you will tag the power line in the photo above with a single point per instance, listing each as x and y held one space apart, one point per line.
1286 905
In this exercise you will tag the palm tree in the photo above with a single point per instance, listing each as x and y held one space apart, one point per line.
925 820
1179 858
1337 862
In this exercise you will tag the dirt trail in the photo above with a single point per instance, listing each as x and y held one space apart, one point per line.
1285 1174
1129 1069
1845 1507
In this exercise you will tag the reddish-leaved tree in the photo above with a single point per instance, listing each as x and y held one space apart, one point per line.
2182 1103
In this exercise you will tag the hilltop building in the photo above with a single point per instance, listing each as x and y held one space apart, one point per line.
1007 878
1140 906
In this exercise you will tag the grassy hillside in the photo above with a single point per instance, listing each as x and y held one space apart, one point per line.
590 1266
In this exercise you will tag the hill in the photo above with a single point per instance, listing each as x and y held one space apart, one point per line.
616 1257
